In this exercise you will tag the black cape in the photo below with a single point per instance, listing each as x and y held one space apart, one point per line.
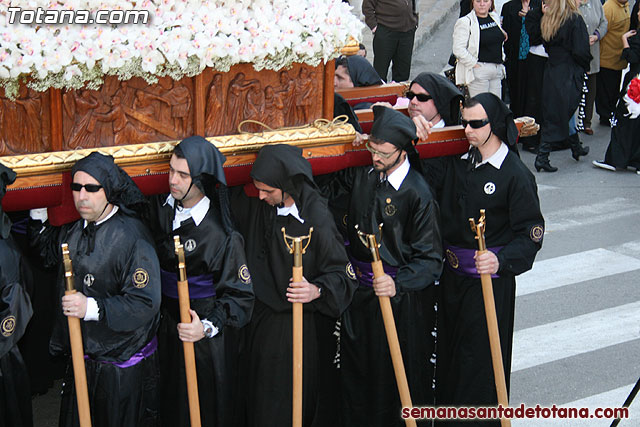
212 251
15 312
266 361
123 275
410 241
514 221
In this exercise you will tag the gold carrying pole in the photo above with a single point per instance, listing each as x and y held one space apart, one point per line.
370 241
492 319
297 250
189 353
77 349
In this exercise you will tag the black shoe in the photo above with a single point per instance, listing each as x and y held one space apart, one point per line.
544 165
530 148
578 151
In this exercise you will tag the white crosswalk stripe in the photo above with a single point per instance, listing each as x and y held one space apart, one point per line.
608 399
543 350
595 213
577 335
574 268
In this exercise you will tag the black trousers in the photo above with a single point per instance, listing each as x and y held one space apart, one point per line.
607 92
395 47
532 103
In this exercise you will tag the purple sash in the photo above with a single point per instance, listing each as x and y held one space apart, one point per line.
146 351
460 260
199 286
364 273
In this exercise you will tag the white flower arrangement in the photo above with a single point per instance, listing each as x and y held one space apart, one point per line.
181 40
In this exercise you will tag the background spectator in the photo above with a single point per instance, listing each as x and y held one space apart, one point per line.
624 147
516 49
477 44
611 64
593 15
393 24
566 41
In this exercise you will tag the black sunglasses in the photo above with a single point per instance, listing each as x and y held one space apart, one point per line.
475 124
90 188
421 96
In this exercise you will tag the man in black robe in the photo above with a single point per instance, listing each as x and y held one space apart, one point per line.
289 198
117 277
15 312
392 193
433 99
220 289
491 177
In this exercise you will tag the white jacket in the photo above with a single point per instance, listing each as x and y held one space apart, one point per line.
466 44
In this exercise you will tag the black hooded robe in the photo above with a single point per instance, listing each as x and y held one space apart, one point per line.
15 312
123 275
115 263
464 373
410 242
267 360
213 253
624 147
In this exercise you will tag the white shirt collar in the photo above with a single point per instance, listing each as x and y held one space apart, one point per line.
112 213
290 210
397 176
439 125
197 212
496 159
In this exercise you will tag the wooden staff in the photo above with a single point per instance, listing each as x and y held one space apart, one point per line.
77 349
492 319
297 250
370 241
189 354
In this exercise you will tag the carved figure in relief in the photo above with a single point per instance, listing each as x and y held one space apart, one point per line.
149 106
179 97
124 132
304 92
254 107
235 100
79 107
274 108
286 91
21 122
214 119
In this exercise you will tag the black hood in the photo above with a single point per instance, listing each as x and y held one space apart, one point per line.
118 186
445 94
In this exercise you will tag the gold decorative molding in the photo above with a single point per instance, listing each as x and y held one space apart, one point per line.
351 48
321 133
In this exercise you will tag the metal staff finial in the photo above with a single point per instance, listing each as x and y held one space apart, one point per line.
371 241
296 247
479 228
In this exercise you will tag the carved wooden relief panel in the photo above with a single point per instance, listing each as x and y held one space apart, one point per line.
134 112
276 98
130 112
25 122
